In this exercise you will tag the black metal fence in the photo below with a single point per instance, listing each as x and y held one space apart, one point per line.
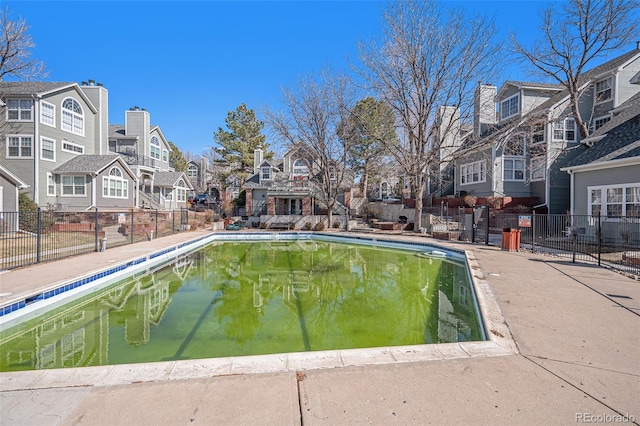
29 237
612 242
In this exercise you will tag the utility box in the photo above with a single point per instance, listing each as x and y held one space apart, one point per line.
510 239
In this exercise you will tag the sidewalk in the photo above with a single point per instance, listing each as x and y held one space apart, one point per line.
576 326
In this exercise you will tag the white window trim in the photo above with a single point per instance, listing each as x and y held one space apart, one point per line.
267 175
564 129
602 117
74 195
51 194
73 115
603 199
53 107
165 156
482 173
53 141
110 179
595 92
514 157
14 120
71 144
543 160
19 157
502 102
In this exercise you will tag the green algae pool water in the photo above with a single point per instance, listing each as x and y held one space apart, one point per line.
248 298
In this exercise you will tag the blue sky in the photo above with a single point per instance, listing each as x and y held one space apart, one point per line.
189 63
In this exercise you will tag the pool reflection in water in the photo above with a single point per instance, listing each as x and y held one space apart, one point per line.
246 298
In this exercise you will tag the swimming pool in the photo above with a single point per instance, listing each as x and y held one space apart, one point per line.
255 295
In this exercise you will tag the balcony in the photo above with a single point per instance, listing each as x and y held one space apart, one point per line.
132 158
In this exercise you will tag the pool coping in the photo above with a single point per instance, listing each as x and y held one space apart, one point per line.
500 343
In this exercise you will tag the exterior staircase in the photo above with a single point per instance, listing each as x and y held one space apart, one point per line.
147 200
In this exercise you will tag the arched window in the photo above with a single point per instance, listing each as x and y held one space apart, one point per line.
181 192
300 168
114 185
155 148
72 116
193 171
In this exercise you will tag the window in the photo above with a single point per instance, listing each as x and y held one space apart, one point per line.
603 90
19 146
48 114
510 107
300 168
181 193
615 201
600 121
73 185
155 148
165 155
48 149
538 169
538 133
114 185
19 109
72 116
51 185
265 173
192 172
473 172
512 168
72 147
564 130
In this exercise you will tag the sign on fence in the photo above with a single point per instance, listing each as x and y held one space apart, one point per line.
524 221
122 218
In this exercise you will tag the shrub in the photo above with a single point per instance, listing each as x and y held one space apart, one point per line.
336 225
319 226
470 200
307 226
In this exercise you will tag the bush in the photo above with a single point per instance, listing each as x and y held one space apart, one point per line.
336 225
319 227
307 226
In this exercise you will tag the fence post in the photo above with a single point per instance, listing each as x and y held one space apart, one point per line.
156 223
131 233
533 232
473 225
486 231
173 221
95 227
599 237
39 236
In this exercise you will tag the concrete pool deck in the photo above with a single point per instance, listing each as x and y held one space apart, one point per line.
576 328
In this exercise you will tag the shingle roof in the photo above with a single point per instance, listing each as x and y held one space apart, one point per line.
627 110
117 131
29 87
168 179
86 164
622 141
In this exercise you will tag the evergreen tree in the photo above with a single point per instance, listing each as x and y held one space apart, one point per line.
176 158
236 145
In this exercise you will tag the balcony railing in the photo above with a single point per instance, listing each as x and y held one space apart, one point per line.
132 158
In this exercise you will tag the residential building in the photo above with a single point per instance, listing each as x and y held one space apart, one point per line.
605 178
283 188
56 138
519 151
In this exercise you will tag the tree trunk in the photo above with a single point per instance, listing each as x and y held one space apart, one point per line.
417 214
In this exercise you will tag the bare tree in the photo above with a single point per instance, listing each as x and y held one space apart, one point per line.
15 50
575 35
309 123
429 58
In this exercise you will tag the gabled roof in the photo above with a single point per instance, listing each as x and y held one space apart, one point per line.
42 88
169 179
620 142
116 131
91 164
551 87
12 178
621 114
